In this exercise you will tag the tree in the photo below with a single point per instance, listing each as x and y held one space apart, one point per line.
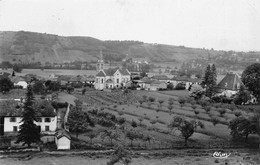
242 96
17 68
187 128
242 126
132 135
143 74
210 80
13 74
28 132
79 121
120 154
251 79
111 134
39 88
206 78
160 102
5 85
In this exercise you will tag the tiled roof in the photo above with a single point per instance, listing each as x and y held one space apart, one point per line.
12 108
231 81
101 74
61 132
16 79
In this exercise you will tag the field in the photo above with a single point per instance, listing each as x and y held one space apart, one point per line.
156 117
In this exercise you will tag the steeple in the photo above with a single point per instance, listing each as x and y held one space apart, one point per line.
101 56
100 64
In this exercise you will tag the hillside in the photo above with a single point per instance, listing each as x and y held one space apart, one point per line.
33 47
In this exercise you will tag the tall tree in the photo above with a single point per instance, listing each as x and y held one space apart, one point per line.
28 132
205 81
251 79
210 80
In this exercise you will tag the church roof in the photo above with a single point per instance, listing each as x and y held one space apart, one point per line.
101 74
231 81
110 71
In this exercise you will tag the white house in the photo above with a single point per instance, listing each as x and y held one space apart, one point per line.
111 78
45 124
19 81
62 140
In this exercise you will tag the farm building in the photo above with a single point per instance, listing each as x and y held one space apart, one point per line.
62 140
229 85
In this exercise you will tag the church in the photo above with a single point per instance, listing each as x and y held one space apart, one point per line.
110 77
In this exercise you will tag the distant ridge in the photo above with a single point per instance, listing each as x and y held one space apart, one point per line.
28 47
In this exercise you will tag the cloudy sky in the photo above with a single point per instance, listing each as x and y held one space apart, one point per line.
218 24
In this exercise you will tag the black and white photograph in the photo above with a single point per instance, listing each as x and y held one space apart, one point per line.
129 82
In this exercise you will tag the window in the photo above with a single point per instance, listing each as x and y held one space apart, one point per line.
117 80
47 128
12 119
96 80
39 119
102 81
47 120
15 128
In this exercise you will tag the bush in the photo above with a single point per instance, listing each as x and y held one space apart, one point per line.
180 86
151 99
134 124
207 109
222 111
237 113
196 91
214 121
182 100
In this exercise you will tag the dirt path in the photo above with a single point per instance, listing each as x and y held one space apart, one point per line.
178 157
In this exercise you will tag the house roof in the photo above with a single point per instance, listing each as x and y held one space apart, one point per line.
156 82
62 133
146 80
42 107
160 77
231 81
124 72
16 79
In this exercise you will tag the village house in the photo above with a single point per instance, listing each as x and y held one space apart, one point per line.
229 85
11 118
151 84
19 81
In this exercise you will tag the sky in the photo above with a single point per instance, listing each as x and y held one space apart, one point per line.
217 24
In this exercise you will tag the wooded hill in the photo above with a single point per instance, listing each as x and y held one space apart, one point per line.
26 47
